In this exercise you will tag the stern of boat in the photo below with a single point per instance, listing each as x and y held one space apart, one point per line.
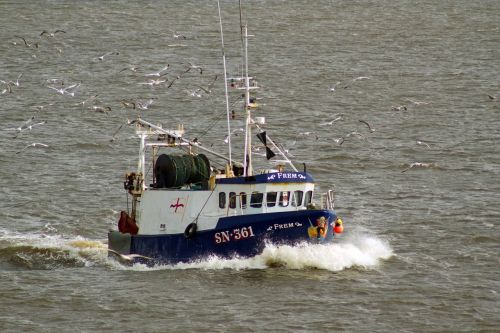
119 242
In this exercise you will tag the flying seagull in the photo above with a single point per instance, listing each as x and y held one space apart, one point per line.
34 144
417 165
28 127
193 66
26 42
128 257
369 127
208 89
52 34
419 142
332 121
12 83
354 80
101 58
160 72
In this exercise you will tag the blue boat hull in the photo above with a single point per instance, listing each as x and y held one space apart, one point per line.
237 236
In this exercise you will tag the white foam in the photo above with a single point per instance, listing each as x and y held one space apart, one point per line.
84 250
359 250
355 249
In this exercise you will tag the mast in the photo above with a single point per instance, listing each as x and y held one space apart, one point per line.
225 89
247 162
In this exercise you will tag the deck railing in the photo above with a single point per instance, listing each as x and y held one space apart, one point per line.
327 200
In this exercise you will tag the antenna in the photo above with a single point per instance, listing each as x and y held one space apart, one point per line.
247 162
225 88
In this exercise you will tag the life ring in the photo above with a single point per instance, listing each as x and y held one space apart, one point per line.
190 231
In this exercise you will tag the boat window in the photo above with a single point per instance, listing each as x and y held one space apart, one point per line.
232 200
256 199
297 198
222 199
308 198
271 199
283 202
243 200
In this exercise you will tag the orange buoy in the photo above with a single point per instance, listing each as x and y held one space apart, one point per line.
339 228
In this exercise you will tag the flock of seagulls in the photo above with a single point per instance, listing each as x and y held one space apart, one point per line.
166 77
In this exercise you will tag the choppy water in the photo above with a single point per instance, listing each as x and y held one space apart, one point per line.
421 248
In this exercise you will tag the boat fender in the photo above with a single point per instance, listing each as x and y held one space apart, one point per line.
339 228
190 231
127 225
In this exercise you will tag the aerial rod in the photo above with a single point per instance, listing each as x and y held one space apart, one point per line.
226 94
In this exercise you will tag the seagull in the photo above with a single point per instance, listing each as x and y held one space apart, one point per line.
101 58
28 127
113 137
354 133
160 72
34 144
128 257
64 90
256 150
177 35
354 80
52 34
26 42
492 97
145 105
41 107
91 98
332 121
286 150
128 104
342 139
233 132
131 68
101 109
369 127
172 82
194 93
55 80
208 89
418 164
153 82
419 142
399 108
25 124
8 89
339 140
193 66
417 102
17 81
334 87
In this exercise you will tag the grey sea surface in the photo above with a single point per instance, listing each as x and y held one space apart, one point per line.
419 195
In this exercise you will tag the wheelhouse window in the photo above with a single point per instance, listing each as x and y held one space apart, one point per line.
271 199
222 199
243 200
256 199
232 200
284 199
297 198
308 198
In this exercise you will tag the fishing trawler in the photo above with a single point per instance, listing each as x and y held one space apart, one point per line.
189 209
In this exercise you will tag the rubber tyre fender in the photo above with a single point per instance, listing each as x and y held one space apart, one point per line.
190 231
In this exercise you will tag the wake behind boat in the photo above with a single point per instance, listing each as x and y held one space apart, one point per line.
189 209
